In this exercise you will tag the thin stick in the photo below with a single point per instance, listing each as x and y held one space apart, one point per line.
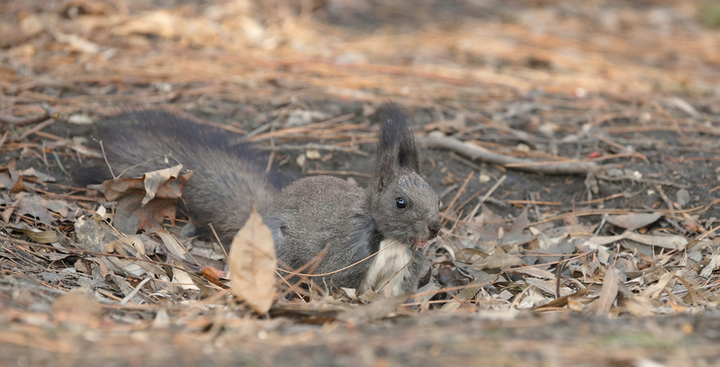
558 275
707 233
135 291
477 153
21 121
148 161
485 197
339 173
339 270
327 147
457 195
102 149
219 242
38 127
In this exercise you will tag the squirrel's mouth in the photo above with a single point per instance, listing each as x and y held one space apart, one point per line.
420 243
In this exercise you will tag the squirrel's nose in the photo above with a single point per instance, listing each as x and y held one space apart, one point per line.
434 228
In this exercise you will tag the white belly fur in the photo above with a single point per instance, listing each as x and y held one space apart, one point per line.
384 267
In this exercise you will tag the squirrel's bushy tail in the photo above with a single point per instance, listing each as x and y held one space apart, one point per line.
228 179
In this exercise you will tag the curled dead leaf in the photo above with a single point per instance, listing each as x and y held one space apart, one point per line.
154 179
144 203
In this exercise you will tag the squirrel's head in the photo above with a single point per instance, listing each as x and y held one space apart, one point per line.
404 206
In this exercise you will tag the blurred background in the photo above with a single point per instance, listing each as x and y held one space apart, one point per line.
475 54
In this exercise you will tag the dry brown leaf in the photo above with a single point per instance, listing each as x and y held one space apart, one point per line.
654 290
537 273
40 237
498 261
670 242
6 214
154 179
477 284
564 300
131 215
633 221
252 263
609 292
547 286
169 188
213 276
10 178
517 234
706 272
692 293
640 306
184 280
40 176
451 306
144 203
33 205
173 246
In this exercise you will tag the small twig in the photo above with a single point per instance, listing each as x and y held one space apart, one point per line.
667 200
219 242
457 195
331 148
39 127
339 173
146 162
642 180
102 149
468 200
294 273
22 121
620 147
482 154
447 191
261 129
303 129
135 291
51 111
669 117
558 275
465 161
486 197
704 235
492 190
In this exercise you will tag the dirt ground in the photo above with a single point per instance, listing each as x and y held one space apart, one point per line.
609 260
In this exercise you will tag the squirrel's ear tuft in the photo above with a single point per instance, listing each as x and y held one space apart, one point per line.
397 149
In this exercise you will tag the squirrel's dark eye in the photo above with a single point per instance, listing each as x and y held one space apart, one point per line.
400 203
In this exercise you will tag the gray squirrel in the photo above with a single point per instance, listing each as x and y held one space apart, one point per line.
395 216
